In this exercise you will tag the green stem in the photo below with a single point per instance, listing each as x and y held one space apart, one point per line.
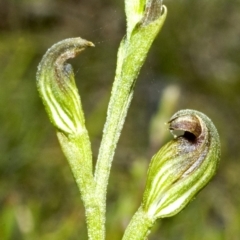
78 153
117 110
139 227
131 56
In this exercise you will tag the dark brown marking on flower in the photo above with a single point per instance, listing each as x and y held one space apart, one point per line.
153 10
187 123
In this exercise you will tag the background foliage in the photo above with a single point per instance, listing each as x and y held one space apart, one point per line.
194 63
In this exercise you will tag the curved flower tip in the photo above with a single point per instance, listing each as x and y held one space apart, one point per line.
57 88
183 166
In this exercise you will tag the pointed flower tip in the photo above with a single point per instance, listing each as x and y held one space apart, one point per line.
90 44
183 166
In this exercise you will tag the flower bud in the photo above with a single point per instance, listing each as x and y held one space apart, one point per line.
57 88
143 12
183 166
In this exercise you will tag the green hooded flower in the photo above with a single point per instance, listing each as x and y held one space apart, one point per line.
57 88
183 166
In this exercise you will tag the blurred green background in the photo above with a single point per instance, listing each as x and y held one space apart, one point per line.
194 63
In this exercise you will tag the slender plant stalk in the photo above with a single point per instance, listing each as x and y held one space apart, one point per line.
76 151
131 56
139 227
